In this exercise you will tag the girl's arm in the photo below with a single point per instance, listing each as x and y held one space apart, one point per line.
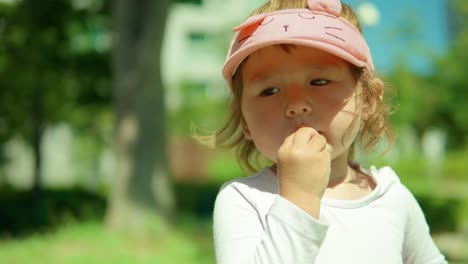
288 234
419 248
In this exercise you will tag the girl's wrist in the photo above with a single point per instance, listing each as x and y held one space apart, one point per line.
308 202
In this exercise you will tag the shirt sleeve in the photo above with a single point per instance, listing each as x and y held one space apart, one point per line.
419 248
288 234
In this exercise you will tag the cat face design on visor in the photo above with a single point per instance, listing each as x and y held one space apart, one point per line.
318 27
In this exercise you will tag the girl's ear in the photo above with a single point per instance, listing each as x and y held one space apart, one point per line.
245 129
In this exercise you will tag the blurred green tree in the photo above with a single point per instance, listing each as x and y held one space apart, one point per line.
439 98
450 80
45 74
142 190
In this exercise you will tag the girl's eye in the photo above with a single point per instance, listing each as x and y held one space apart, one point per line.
318 82
269 91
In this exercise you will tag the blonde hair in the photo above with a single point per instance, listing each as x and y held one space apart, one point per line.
374 112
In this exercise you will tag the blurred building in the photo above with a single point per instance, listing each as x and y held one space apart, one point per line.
196 42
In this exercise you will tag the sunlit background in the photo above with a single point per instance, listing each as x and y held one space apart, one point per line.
97 157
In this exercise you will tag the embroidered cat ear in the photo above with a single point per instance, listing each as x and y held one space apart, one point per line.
332 7
250 21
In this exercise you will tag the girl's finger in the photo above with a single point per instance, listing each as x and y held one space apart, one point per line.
303 135
318 142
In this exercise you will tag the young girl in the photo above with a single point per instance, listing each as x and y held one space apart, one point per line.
304 95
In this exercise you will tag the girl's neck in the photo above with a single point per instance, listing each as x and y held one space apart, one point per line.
347 182
341 171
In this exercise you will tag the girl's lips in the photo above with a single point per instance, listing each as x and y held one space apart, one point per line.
300 126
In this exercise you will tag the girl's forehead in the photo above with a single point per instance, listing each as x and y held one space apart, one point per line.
279 57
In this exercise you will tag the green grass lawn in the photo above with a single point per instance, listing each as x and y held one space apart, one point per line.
89 242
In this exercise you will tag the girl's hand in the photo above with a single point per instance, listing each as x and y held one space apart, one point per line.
304 169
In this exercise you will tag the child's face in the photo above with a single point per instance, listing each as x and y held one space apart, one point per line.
286 90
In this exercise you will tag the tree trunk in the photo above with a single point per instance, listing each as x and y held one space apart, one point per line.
37 131
142 191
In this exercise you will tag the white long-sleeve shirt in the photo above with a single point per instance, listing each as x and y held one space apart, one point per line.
253 225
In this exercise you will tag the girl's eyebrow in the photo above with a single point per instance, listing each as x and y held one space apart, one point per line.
259 78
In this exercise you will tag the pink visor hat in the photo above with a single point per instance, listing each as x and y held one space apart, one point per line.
319 27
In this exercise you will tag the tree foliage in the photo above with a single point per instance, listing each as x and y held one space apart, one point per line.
44 68
450 80
50 69
438 99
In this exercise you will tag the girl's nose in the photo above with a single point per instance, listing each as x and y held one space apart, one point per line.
298 109
298 104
